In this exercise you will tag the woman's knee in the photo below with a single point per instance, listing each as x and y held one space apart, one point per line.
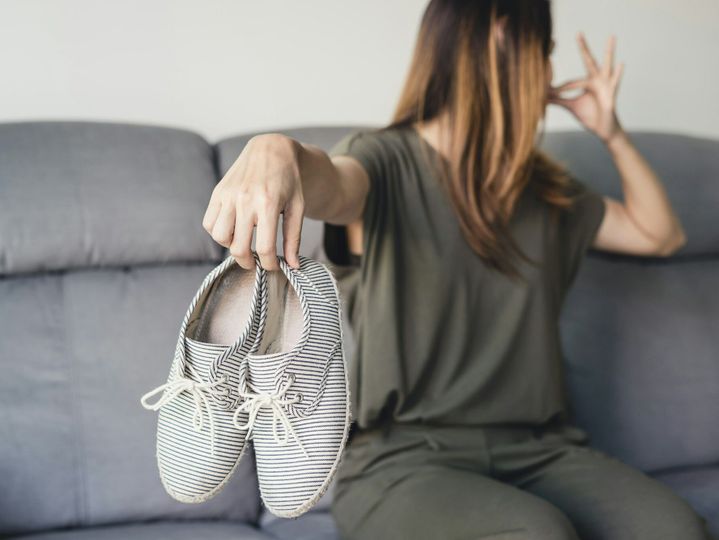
543 521
450 506
662 515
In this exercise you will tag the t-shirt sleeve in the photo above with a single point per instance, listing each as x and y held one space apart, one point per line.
579 226
366 147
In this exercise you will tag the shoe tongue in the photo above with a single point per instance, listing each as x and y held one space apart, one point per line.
280 332
202 355
265 371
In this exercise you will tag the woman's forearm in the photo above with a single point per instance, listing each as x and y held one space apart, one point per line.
646 201
333 193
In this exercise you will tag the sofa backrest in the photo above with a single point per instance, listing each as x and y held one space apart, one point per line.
101 251
640 335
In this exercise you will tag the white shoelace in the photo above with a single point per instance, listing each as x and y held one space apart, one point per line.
256 401
200 392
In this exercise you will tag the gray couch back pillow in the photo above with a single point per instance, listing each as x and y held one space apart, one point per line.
86 194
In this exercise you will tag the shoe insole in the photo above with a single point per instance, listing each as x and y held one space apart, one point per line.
285 320
225 308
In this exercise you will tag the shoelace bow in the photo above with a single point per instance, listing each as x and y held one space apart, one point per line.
200 392
254 401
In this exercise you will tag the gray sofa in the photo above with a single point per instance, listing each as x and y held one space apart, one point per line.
102 248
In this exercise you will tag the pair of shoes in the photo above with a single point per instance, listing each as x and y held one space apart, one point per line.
259 357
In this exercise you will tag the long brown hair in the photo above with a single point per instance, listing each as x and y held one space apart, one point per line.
493 91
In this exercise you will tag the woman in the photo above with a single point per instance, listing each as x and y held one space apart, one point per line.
465 238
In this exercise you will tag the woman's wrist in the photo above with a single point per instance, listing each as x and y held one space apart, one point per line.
618 140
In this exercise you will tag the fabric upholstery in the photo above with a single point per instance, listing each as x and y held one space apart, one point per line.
208 530
85 194
641 355
315 525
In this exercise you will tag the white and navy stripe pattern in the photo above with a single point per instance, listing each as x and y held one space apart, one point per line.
295 471
198 445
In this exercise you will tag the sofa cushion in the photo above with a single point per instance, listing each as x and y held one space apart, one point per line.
640 344
78 350
687 166
315 525
78 194
700 488
207 530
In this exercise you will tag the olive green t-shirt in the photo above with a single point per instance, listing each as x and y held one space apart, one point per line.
440 336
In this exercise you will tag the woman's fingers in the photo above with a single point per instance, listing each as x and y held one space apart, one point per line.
266 238
608 65
617 76
589 61
241 247
569 85
224 226
567 103
292 231
213 210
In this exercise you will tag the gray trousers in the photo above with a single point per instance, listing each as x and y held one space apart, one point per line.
452 483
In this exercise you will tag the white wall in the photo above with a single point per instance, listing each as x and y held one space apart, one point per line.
226 66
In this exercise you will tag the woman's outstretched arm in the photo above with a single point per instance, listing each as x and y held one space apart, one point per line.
275 175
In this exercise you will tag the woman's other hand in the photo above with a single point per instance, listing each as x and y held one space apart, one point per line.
595 106
263 183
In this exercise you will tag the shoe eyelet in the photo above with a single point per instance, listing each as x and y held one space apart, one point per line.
299 397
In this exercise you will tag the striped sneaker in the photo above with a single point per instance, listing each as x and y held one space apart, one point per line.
296 403
198 446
